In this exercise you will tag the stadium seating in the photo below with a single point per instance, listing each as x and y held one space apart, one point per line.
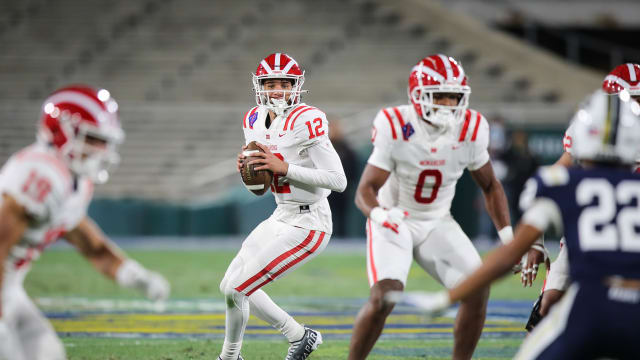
181 73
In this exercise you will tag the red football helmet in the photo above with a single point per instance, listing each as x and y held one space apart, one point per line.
625 76
438 74
82 124
278 66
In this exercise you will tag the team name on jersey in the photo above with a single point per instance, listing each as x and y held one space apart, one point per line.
433 162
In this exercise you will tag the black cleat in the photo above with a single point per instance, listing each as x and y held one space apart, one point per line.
239 358
300 350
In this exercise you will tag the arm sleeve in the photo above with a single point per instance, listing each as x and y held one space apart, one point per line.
479 146
328 172
558 277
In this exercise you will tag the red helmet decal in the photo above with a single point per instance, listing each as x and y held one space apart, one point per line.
624 76
278 64
84 105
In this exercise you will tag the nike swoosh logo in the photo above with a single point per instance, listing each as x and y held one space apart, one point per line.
281 135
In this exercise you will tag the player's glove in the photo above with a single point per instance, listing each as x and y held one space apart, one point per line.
431 303
132 275
535 316
390 219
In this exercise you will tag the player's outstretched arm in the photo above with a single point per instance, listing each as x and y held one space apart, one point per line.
495 200
13 223
498 263
107 258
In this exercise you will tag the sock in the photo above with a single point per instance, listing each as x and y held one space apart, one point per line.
265 309
235 324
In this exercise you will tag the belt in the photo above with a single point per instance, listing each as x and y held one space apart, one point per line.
298 209
620 282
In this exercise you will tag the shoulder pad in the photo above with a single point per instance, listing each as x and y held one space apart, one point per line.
250 117
393 122
301 111
471 126
554 175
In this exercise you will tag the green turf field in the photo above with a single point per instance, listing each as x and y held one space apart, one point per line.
98 320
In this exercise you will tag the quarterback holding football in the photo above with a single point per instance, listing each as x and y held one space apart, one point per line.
296 149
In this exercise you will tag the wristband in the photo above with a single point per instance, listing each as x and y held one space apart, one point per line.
506 234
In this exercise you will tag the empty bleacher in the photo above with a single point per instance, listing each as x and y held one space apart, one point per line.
181 73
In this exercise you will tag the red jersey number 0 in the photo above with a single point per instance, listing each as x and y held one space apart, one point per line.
437 175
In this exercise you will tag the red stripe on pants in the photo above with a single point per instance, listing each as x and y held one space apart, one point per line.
289 265
372 265
276 261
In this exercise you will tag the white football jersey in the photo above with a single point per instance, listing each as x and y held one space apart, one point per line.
425 166
288 137
56 201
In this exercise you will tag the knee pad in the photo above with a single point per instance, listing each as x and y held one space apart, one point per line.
236 299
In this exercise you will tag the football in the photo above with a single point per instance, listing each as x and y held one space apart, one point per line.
256 181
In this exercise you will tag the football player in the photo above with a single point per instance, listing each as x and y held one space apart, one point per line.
45 191
622 77
420 151
306 168
596 206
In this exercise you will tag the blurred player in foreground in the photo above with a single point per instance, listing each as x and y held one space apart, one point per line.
596 205
420 151
45 191
306 168
622 77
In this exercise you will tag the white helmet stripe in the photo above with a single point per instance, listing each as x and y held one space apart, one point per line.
266 67
83 101
447 66
632 72
616 79
423 69
276 63
460 75
289 65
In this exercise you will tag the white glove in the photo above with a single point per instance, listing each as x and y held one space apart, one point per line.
428 302
132 275
390 219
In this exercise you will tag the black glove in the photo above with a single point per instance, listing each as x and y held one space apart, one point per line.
535 316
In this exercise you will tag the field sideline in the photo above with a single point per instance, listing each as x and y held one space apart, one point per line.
98 320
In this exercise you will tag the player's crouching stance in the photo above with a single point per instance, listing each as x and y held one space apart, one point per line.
420 152
297 149
46 189
596 206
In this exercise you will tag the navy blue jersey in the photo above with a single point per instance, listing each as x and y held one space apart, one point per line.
600 216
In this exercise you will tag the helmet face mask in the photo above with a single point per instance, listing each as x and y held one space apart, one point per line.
433 78
82 125
607 129
278 66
